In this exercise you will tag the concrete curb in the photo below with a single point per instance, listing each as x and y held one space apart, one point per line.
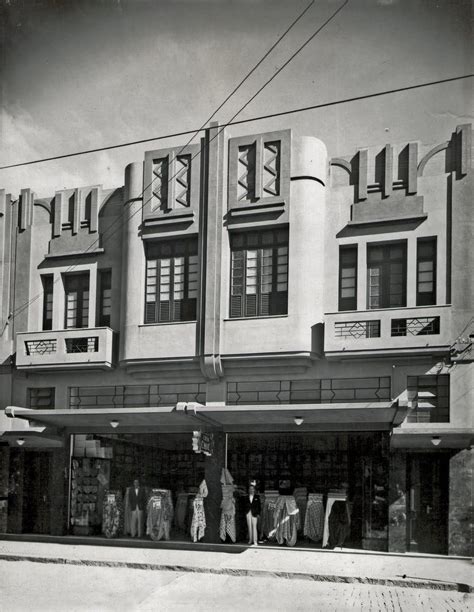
392 582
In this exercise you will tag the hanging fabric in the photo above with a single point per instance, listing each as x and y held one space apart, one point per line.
314 518
267 526
127 515
112 514
159 514
287 520
227 524
198 525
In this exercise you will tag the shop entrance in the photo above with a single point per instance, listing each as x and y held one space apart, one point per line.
36 502
320 469
429 503
104 469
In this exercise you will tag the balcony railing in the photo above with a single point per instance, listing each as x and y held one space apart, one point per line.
388 331
87 348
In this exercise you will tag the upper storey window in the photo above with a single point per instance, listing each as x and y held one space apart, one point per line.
386 275
259 275
426 272
48 284
76 288
348 277
259 169
171 281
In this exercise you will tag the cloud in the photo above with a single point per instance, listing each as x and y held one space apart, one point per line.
23 139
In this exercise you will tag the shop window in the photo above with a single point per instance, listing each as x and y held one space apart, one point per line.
429 395
386 275
348 277
41 398
48 282
426 272
259 274
77 300
171 281
105 297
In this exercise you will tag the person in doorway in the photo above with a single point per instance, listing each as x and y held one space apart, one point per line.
137 500
252 509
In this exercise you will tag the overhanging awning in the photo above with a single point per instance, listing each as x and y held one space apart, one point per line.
18 432
185 417
166 419
421 439
359 416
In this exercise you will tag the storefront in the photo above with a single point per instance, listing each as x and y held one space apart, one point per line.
321 484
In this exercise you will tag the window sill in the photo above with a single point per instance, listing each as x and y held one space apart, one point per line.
165 323
389 308
284 316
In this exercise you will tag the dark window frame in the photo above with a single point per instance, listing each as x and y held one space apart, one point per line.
260 303
385 274
172 310
425 298
35 395
348 303
76 281
48 292
104 282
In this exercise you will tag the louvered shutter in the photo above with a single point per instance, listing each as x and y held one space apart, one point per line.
237 284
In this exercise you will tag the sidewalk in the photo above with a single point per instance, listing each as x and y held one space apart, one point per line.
346 566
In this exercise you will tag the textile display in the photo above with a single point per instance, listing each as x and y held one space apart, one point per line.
333 496
339 524
314 518
181 511
112 514
287 520
301 496
159 514
198 524
227 524
267 525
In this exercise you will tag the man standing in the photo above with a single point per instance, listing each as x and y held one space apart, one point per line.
137 498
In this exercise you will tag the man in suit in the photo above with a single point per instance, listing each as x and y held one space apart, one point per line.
137 498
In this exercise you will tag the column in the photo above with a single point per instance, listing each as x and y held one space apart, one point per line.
397 503
461 468
212 503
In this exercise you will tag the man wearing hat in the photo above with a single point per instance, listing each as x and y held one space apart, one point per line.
252 509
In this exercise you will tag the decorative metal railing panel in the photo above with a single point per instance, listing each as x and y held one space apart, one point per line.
419 326
130 396
41 347
317 391
357 330
82 345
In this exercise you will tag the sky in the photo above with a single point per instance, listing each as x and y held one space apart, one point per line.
90 73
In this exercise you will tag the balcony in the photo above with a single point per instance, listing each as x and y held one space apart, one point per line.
391 331
89 348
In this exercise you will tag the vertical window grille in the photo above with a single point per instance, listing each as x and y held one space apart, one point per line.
48 284
259 273
171 281
348 278
426 272
105 298
77 300
386 275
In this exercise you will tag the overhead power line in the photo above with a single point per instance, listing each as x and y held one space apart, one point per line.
300 109
122 221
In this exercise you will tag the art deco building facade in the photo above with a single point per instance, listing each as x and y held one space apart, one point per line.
314 314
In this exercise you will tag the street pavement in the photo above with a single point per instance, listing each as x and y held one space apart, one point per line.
71 576
29 586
